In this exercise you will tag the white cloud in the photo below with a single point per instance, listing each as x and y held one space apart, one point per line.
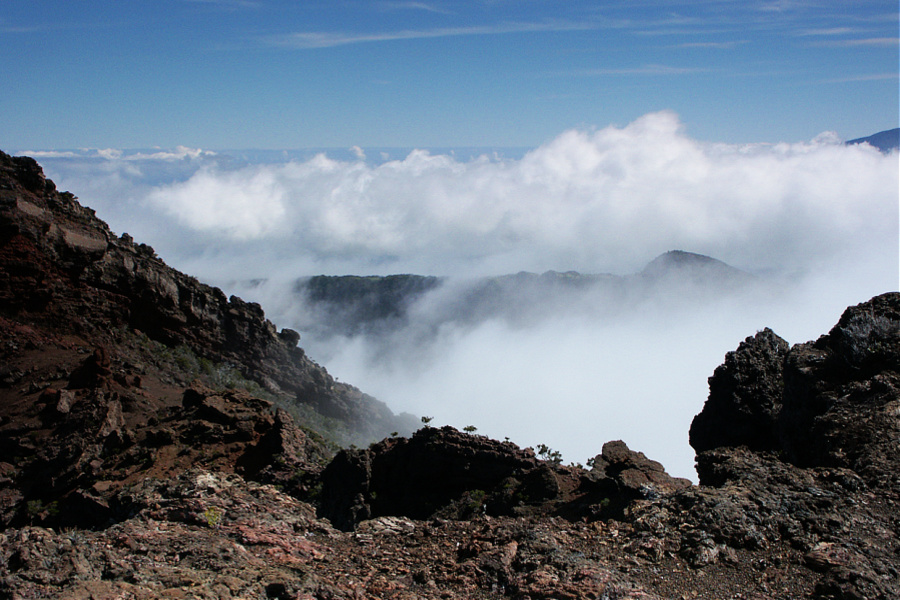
877 42
818 217
645 70
243 205
870 77
109 153
180 153
716 45
590 200
39 154
416 6
828 31
358 152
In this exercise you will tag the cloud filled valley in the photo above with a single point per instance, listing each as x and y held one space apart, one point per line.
813 224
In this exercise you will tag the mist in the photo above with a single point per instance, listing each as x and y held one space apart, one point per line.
815 222
598 370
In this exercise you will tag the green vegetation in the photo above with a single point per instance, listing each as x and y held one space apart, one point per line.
213 516
476 500
549 454
36 509
186 366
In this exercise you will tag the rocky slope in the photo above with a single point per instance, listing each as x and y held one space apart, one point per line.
122 478
65 272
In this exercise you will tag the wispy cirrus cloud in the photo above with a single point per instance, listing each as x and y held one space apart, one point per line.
883 42
428 7
21 29
644 70
36 27
327 39
687 31
828 31
780 6
714 45
228 3
859 78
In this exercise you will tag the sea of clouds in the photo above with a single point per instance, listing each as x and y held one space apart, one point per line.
816 220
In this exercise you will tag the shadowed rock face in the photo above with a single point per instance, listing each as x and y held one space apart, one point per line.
803 444
828 403
744 397
444 472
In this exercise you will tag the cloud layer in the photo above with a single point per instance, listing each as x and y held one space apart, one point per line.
818 219
586 200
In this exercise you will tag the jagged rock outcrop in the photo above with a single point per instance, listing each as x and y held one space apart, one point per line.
71 450
419 476
61 267
828 403
803 445
448 473
620 476
744 397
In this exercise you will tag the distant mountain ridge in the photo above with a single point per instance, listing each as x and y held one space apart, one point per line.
351 305
886 141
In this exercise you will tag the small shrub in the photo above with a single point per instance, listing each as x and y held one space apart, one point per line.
213 516
545 452
476 500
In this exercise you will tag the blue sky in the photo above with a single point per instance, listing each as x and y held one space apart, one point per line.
275 74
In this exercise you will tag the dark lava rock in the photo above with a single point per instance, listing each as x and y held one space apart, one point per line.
418 476
445 473
620 475
744 397
828 403
802 445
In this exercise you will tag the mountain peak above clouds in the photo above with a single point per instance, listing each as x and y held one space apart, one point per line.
886 141
681 263
682 259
